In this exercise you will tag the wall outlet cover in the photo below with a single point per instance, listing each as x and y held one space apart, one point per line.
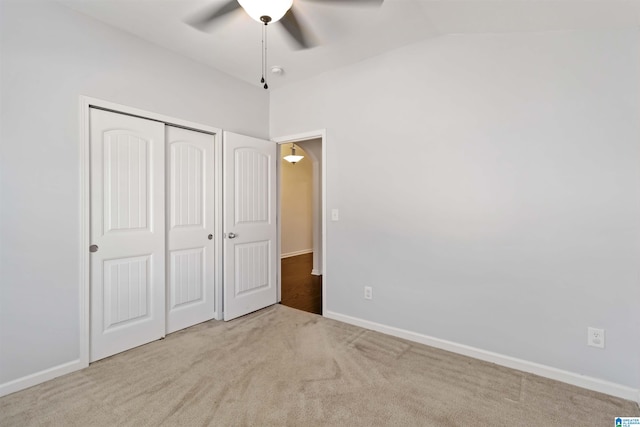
595 337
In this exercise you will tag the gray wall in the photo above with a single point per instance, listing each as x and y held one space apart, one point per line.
489 192
50 56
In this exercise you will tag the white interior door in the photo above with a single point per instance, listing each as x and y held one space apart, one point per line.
190 228
127 232
250 252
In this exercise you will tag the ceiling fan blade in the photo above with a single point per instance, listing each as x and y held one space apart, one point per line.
294 29
350 2
205 18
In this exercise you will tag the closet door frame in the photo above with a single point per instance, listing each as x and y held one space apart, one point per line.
85 201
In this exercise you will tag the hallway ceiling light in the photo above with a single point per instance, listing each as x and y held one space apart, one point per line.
293 158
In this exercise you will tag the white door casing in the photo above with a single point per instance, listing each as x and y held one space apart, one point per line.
250 244
190 227
128 228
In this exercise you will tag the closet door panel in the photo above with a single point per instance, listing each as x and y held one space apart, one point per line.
127 232
190 227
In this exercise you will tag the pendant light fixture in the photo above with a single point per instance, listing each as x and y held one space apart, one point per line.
293 158
265 12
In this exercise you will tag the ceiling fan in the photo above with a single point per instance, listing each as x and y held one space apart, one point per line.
268 12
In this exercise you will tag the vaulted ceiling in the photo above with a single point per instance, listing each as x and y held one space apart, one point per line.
345 34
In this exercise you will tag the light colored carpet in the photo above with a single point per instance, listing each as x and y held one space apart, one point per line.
281 366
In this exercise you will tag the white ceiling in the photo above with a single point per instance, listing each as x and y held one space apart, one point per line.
346 34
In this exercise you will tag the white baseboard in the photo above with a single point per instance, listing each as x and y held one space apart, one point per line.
296 253
316 272
572 378
40 377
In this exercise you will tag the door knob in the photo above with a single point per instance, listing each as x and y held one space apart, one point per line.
93 248
232 235
210 236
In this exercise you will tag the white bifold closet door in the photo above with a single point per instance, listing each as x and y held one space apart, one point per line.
190 228
127 232
250 245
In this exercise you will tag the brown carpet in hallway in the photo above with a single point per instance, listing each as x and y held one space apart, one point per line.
285 367
299 288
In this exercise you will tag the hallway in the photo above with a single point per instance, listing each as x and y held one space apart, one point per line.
300 289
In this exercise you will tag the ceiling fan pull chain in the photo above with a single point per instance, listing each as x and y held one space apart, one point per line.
264 66
262 51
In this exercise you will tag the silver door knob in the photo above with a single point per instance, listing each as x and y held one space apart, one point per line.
93 248
210 237
232 235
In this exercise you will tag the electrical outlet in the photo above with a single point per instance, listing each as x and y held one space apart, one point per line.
368 292
335 215
595 337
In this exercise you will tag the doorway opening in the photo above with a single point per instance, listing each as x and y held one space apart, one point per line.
300 287
301 223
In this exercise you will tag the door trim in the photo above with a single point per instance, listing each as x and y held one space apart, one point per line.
299 137
85 103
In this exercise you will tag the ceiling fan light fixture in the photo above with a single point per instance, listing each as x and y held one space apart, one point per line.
274 9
